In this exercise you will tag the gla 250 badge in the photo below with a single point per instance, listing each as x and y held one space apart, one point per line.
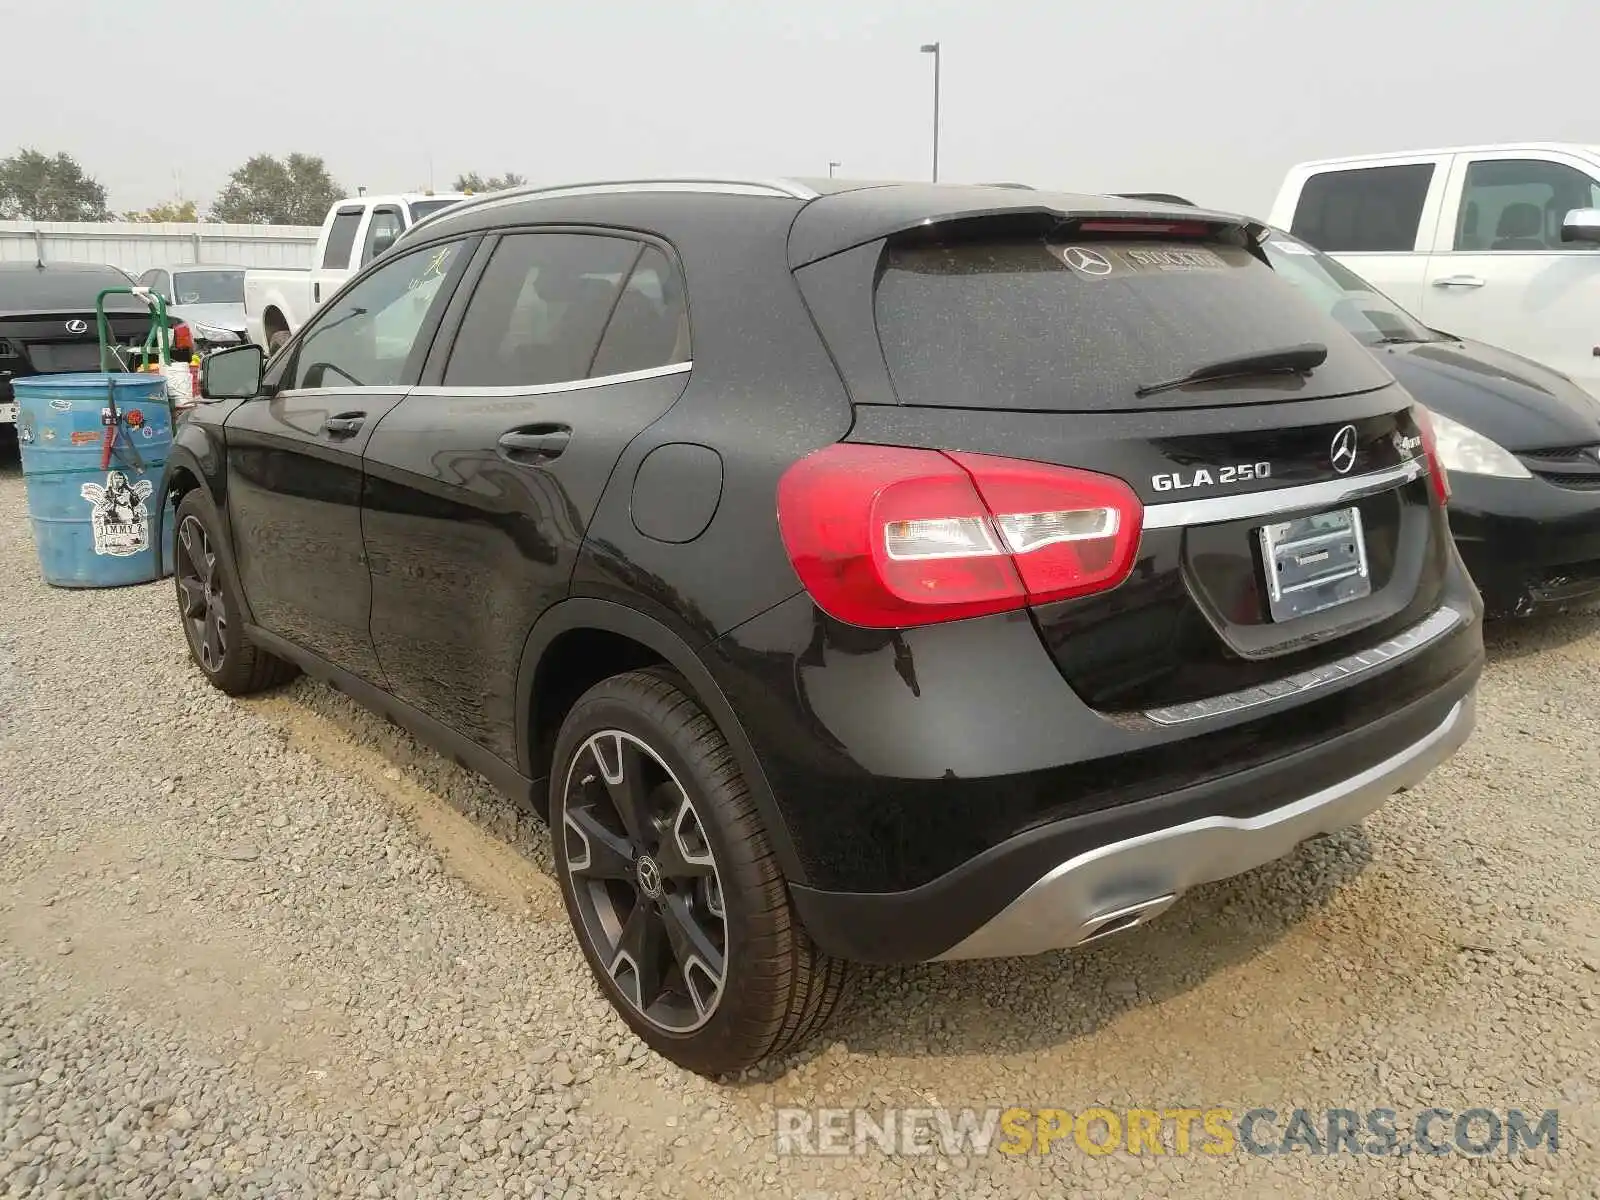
1182 481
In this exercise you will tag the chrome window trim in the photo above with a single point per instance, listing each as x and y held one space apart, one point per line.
1331 492
544 389
1402 645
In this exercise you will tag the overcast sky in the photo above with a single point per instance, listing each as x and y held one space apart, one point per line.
1212 99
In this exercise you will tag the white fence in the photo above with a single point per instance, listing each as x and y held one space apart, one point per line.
135 247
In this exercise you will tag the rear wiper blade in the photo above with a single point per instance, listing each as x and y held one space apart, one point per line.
1290 360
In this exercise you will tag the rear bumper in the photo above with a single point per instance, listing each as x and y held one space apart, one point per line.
1123 884
1527 543
1063 883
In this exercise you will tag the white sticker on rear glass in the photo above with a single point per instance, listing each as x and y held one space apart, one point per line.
1175 258
1291 248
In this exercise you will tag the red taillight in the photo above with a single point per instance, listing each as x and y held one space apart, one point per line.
887 537
182 339
1430 450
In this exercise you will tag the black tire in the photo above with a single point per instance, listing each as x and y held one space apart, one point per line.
276 339
213 622
777 988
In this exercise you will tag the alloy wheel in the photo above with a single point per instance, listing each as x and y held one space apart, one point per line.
200 591
645 881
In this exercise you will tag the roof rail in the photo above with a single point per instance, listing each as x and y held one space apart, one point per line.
782 188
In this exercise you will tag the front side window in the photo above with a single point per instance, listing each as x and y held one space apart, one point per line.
1365 209
156 280
538 312
162 284
1519 204
365 338
382 231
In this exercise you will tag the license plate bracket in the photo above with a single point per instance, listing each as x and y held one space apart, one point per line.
1314 563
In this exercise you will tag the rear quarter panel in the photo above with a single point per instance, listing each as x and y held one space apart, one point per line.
763 393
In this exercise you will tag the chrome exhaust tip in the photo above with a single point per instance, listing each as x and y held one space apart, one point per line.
1120 920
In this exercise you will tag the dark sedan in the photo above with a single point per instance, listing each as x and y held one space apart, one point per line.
47 323
1521 442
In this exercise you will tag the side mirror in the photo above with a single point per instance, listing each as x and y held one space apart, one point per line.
381 244
232 374
1581 225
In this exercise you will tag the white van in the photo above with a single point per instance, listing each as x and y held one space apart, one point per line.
1495 243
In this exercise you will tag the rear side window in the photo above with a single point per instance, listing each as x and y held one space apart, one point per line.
1369 208
1080 327
650 327
538 311
341 240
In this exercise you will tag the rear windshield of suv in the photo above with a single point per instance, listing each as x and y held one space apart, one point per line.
1077 327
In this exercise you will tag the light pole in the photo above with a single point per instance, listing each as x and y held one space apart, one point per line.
933 49
831 167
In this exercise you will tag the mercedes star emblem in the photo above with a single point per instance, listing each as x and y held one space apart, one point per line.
649 875
1343 451
77 327
1088 261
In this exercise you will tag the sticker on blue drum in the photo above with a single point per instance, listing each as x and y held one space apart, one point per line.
119 516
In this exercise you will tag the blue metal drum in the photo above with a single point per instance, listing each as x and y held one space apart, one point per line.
93 526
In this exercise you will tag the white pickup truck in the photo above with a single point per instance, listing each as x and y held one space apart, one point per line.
1496 243
278 300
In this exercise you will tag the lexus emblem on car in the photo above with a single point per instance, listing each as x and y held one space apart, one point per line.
77 327
1087 261
1343 451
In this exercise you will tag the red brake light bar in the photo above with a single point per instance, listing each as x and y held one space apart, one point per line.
1162 228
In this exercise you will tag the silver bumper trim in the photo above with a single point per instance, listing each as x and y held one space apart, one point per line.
1401 645
1125 884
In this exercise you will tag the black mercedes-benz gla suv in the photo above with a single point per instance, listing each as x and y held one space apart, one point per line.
882 572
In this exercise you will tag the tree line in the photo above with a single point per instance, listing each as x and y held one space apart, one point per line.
296 189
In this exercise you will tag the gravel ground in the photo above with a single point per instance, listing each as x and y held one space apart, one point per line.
274 948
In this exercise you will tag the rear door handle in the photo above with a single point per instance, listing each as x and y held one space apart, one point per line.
344 425
536 441
1459 281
